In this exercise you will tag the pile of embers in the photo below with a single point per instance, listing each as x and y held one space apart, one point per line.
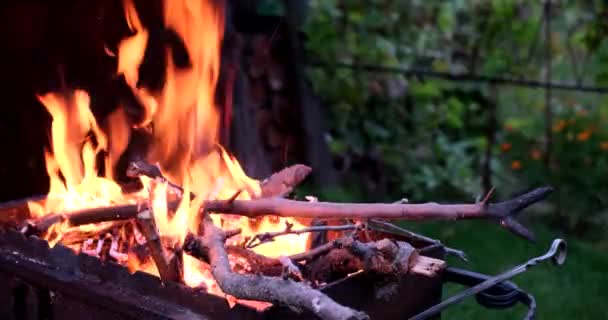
346 239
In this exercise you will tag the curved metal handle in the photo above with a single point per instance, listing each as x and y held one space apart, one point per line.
557 254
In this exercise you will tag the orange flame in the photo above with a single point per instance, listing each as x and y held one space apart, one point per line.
185 123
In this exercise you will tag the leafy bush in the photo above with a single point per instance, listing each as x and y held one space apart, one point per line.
424 138
579 163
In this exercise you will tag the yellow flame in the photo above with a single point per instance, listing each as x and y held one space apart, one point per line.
71 166
185 123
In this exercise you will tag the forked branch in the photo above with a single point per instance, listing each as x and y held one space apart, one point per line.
503 212
270 289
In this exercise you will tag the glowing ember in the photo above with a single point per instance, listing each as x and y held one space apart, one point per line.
185 123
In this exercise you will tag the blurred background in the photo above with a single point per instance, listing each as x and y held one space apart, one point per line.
385 99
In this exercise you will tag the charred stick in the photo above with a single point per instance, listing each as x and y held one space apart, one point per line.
77 235
114 253
194 246
384 256
246 260
93 215
142 168
386 226
265 237
279 184
269 289
168 269
316 252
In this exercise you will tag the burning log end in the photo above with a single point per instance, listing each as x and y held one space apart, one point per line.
40 226
504 212
282 183
385 256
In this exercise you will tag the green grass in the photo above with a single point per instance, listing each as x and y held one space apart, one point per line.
577 290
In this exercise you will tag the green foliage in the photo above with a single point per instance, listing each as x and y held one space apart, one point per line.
426 138
578 163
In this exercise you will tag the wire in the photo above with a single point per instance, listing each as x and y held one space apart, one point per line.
413 72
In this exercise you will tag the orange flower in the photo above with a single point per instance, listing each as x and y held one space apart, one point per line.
505 146
559 126
508 128
583 135
604 145
516 165
535 154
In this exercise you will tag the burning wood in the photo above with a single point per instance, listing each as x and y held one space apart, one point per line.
323 264
196 197
167 268
268 288
503 212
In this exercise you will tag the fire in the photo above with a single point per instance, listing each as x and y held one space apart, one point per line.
184 124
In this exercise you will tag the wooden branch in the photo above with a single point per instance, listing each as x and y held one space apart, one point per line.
269 289
502 212
168 268
282 183
142 168
384 256
278 184
265 237
385 226
427 266
245 259
256 263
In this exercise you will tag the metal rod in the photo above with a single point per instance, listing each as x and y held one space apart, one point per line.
557 253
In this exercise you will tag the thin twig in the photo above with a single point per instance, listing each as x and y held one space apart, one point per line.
265 237
392 228
142 168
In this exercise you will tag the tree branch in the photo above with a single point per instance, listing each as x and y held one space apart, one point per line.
502 212
270 289
265 237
